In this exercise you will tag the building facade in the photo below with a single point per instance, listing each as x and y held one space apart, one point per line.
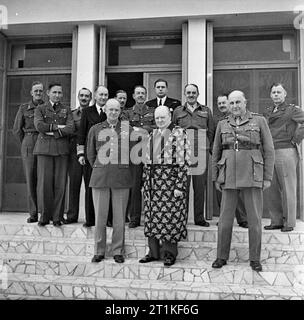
220 45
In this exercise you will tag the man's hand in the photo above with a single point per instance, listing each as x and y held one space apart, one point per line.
178 193
266 184
61 126
49 133
81 160
218 186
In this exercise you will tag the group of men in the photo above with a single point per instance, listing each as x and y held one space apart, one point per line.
58 142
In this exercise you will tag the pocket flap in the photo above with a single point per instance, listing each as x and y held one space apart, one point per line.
257 158
221 162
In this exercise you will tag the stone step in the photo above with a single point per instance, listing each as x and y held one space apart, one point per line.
194 271
195 233
62 287
270 253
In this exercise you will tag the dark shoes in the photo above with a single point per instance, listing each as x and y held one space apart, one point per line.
256 265
31 220
109 224
169 261
97 258
287 229
244 224
88 225
203 223
57 223
127 219
119 258
147 259
273 227
68 221
218 263
42 224
133 224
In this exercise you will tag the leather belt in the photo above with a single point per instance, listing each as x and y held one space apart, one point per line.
240 147
31 133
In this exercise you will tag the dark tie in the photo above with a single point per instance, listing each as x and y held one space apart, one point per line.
160 102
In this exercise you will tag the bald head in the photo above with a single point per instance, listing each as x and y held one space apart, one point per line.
237 103
162 116
112 110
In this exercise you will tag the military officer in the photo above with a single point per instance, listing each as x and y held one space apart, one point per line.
76 170
197 118
110 176
141 118
240 213
121 97
27 134
242 163
54 123
286 123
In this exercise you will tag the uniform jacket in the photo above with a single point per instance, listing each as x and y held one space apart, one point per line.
89 117
141 116
201 118
24 121
286 125
103 142
47 119
172 104
76 113
254 160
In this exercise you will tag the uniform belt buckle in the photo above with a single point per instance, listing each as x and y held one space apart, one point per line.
236 145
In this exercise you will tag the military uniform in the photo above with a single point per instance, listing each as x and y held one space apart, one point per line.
242 158
141 116
27 134
52 152
109 180
200 119
287 129
240 213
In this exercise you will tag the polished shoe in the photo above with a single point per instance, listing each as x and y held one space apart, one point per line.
147 259
256 265
119 258
31 220
133 224
97 258
218 263
68 221
42 224
57 223
109 224
244 224
169 261
203 223
127 219
88 225
273 227
287 229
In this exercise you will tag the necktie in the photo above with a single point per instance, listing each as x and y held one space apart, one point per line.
238 120
275 109
160 102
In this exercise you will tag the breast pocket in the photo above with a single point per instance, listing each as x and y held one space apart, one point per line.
253 135
181 120
62 117
201 120
227 137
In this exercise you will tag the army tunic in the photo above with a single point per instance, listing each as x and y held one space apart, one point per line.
27 134
242 158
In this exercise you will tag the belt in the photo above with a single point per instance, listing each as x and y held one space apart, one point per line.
240 147
31 133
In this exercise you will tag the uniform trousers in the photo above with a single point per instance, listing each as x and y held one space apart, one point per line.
101 198
135 195
168 248
240 212
52 176
30 169
253 201
76 172
281 197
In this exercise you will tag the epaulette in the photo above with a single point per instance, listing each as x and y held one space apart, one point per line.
293 105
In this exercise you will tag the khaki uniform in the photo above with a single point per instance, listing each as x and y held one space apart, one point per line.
243 157
27 134
52 152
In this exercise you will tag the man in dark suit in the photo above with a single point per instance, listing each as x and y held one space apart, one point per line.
111 178
54 122
76 170
89 117
161 90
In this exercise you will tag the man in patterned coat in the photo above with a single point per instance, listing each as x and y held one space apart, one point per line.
165 188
